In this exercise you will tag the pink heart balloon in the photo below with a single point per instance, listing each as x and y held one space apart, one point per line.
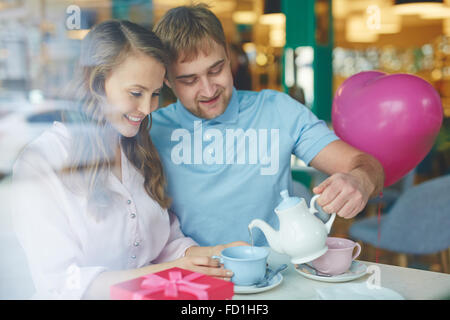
395 118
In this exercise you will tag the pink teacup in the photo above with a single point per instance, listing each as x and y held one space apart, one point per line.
338 258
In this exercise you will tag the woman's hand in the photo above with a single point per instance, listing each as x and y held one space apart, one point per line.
205 265
212 251
199 259
216 250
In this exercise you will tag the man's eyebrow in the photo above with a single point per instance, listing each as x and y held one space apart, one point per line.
186 76
193 75
217 63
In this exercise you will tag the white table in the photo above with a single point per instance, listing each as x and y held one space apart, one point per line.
412 284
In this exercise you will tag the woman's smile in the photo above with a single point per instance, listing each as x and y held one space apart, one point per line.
134 120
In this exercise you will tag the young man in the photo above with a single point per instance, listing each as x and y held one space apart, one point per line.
226 153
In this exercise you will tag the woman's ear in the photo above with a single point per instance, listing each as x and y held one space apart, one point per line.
98 85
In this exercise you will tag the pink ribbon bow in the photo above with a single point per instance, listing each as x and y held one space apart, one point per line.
154 283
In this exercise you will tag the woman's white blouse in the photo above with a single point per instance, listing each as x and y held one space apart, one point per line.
66 247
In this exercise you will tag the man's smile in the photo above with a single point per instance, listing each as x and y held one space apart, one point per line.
209 102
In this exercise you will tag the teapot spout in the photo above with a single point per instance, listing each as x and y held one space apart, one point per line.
272 236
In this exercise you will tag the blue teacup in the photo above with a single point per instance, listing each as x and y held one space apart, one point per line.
247 263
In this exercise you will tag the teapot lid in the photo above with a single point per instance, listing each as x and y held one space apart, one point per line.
287 202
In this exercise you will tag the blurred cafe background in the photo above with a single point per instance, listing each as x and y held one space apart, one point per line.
305 48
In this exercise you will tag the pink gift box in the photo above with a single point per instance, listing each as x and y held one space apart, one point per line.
173 284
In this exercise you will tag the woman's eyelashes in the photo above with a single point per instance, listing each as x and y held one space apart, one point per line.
138 94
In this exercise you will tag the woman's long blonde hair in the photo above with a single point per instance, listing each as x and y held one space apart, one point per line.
93 147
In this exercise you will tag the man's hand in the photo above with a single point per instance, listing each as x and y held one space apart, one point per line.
354 177
343 193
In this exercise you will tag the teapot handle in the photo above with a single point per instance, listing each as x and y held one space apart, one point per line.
312 209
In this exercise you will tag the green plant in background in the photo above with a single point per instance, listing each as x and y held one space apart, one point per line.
437 162
443 139
442 146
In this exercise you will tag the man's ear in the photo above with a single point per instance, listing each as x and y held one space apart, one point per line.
167 82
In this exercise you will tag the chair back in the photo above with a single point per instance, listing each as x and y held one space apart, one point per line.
419 221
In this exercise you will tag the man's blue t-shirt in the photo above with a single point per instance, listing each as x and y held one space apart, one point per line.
224 172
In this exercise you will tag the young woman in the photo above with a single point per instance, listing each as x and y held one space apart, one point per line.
91 207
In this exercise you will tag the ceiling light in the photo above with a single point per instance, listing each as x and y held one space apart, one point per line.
356 30
244 17
77 34
446 27
411 7
273 19
443 13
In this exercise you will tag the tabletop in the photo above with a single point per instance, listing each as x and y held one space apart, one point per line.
411 284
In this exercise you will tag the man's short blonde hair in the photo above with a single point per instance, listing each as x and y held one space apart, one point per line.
186 30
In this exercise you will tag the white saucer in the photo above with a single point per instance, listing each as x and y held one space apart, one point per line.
253 289
357 270
357 291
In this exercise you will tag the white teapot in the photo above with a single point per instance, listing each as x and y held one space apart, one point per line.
302 235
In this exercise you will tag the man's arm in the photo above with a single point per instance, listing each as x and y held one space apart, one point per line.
355 176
